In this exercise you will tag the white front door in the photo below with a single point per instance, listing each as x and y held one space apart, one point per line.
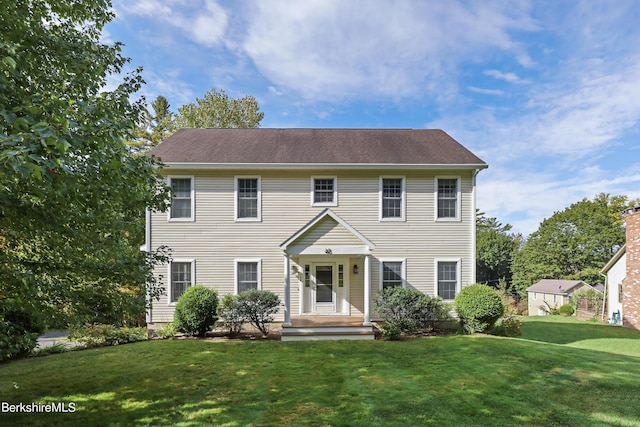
324 297
325 288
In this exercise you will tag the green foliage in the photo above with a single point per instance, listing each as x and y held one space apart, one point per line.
73 197
552 311
510 326
593 297
167 331
98 335
231 314
566 310
16 340
195 312
258 308
573 244
56 348
217 110
406 310
495 249
478 307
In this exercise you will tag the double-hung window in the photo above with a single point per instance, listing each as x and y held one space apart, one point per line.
247 274
324 191
392 199
181 274
448 279
181 199
392 273
248 195
447 198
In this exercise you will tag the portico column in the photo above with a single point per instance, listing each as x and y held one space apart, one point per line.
287 291
367 291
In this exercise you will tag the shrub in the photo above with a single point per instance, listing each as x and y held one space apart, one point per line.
195 312
510 326
167 331
104 335
15 340
405 310
230 313
258 308
566 310
478 307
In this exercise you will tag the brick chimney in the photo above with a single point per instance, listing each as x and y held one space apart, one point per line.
631 287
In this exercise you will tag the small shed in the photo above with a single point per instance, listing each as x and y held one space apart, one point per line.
553 292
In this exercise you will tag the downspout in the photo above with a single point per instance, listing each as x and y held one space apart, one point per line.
605 297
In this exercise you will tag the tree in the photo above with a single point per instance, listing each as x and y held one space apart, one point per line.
495 248
154 126
217 110
572 244
71 190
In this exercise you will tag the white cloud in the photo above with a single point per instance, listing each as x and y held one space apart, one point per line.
485 91
327 49
509 77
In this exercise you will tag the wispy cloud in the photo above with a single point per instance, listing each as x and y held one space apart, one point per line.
485 91
509 77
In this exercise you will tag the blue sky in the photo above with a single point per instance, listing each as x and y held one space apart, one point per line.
546 92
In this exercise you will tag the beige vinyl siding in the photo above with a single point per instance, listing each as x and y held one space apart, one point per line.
215 239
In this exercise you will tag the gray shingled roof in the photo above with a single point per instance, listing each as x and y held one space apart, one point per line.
552 286
315 146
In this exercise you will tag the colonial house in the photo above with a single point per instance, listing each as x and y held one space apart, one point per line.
325 218
622 274
551 293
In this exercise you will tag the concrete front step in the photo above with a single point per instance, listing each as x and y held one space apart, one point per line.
319 333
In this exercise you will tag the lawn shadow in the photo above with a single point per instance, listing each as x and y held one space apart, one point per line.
561 332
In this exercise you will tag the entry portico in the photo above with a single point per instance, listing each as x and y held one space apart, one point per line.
323 259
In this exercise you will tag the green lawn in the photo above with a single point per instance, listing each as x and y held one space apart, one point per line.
560 372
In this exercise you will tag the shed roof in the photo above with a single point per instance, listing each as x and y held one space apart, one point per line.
554 286
418 147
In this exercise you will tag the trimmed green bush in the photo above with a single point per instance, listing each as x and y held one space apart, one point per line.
258 308
168 331
478 307
566 310
196 310
231 315
406 310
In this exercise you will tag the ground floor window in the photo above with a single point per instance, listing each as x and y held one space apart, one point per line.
392 274
247 275
447 279
181 274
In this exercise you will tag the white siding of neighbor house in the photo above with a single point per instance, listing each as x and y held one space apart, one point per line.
615 276
215 239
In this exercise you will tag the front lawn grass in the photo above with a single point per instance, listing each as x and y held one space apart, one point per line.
441 381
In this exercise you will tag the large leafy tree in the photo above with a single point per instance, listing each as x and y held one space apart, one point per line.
572 244
71 190
495 247
153 128
217 110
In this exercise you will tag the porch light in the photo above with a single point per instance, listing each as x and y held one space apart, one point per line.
355 268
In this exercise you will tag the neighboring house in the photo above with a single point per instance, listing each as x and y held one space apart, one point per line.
325 218
550 293
622 274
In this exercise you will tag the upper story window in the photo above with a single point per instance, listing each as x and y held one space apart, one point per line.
181 273
324 191
182 199
447 198
448 278
392 198
248 199
392 273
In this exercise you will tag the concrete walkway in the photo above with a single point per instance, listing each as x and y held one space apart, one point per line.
55 337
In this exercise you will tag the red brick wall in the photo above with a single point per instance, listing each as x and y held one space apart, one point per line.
631 287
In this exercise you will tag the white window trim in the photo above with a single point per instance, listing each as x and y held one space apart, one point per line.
458 216
403 271
192 218
236 261
458 262
403 203
170 277
235 199
335 191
